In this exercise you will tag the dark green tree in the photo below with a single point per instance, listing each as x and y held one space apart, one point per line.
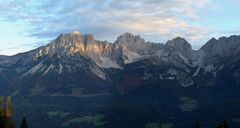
2 119
198 124
8 114
225 124
24 123
219 126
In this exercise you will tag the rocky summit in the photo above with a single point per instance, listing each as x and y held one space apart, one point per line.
131 71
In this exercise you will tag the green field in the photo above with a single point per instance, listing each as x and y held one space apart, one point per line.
96 120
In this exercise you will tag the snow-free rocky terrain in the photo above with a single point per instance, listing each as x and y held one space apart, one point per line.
153 82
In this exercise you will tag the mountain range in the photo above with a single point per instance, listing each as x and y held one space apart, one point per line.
132 76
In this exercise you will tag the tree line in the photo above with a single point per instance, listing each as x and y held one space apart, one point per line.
222 125
6 114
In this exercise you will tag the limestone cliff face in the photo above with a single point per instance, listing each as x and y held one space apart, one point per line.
75 43
129 48
83 53
181 46
126 49
131 42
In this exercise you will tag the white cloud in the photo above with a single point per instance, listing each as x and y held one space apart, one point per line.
157 20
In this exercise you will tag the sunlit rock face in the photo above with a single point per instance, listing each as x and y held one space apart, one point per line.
126 49
184 64
84 45
74 43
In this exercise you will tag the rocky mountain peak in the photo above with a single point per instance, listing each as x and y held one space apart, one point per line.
180 45
209 45
74 36
88 39
76 51
129 48
223 44
76 33
70 43
83 45
131 42
128 38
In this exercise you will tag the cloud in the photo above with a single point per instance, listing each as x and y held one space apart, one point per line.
11 50
157 20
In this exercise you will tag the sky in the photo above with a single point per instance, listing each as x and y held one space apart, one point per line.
28 24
